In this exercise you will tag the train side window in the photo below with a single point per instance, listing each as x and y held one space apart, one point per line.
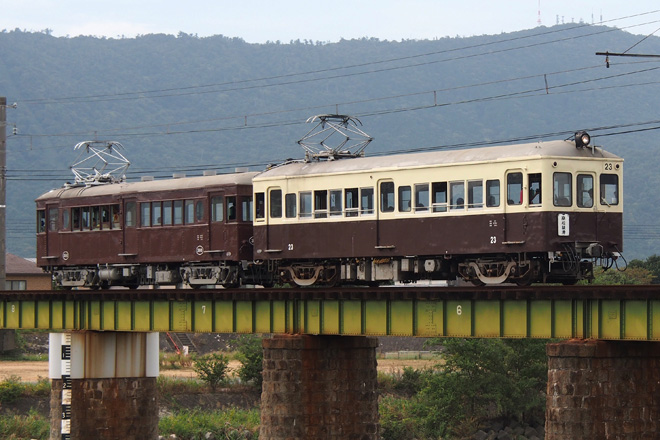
366 201
199 211
178 212
609 189
86 219
217 208
335 202
457 195
105 217
189 212
475 194
585 191
439 200
156 214
41 221
246 209
96 218
563 187
275 203
260 209
115 214
167 213
387 197
405 198
534 188
232 215
305 204
145 214
492 193
514 189
75 219
422 197
320 204
52 219
290 205
130 219
351 202
65 219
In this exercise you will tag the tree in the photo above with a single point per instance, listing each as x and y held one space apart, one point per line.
251 356
212 369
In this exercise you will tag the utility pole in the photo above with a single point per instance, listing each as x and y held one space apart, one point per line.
3 191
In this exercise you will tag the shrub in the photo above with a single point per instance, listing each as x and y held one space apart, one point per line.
251 355
233 424
212 369
10 389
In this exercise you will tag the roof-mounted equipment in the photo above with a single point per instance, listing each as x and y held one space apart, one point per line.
99 162
582 139
334 137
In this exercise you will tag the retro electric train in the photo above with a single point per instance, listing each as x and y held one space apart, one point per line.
538 212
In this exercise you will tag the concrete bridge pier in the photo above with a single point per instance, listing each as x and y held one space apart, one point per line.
603 389
319 387
103 386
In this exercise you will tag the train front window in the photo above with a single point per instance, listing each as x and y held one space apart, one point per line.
75 219
534 188
609 189
514 189
276 203
563 187
260 210
86 218
492 193
387 197
65 220
41 221
585 191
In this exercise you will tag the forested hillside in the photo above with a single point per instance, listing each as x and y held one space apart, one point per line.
187 104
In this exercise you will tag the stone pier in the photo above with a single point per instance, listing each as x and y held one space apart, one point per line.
103 386
319 387
603 389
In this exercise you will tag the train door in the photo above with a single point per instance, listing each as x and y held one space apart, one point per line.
384 209
130 210
584 198
515 218
49 224
223 211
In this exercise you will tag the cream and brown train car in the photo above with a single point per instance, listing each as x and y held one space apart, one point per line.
538 212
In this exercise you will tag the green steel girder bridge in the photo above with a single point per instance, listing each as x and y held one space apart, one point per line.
598 312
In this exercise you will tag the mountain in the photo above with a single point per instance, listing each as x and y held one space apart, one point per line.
186 104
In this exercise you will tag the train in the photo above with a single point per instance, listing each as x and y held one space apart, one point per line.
541 212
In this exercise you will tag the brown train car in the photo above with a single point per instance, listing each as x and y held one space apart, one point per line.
193 230
538 212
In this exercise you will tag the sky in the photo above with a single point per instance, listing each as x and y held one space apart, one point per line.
259 21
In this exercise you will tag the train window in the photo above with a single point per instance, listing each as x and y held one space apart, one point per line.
217 208
335 202
65 220
275 203
475 194
41 220
585 191
387 197
514 189
96 217
351 202
534 186
156 214
320 204
167 213
609 189
405 198
105 217
492 193
189 212
422 197
457 195
178 212
439 199
260 208
145 214
232 215
246 209
305 204
562 184
366 201
75 219
86 219
115 213
131 215
290 205
199 211
52 219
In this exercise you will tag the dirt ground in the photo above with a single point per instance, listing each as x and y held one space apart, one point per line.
34 370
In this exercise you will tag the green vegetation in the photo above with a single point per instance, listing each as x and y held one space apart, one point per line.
31 426
250 354
212 369
232 424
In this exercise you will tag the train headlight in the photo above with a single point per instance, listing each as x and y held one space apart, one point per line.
582 139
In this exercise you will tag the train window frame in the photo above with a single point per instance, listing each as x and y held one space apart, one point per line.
115 215
260 206
156 214
535 187
560 196
493 197
584 196
85 218
167 213
291 205
405 198
351 202
232 209
145 214
275 203
439 196
422 197
41 221
335 202
305 204
104 219
53 214
246 208
199 211
475 194
514 188
177 212
457 195
367 201
386 196
321 203
611 188
189 212
96 218
130 214
217 209
76 218
66 219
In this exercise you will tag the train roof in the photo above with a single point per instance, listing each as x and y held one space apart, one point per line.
564 149
149 186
